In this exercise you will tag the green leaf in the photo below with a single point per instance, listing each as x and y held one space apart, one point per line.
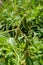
2 63
36 62
28 61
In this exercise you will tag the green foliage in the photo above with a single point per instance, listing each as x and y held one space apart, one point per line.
21 32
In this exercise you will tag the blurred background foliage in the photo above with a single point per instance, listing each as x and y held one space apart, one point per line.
21 32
